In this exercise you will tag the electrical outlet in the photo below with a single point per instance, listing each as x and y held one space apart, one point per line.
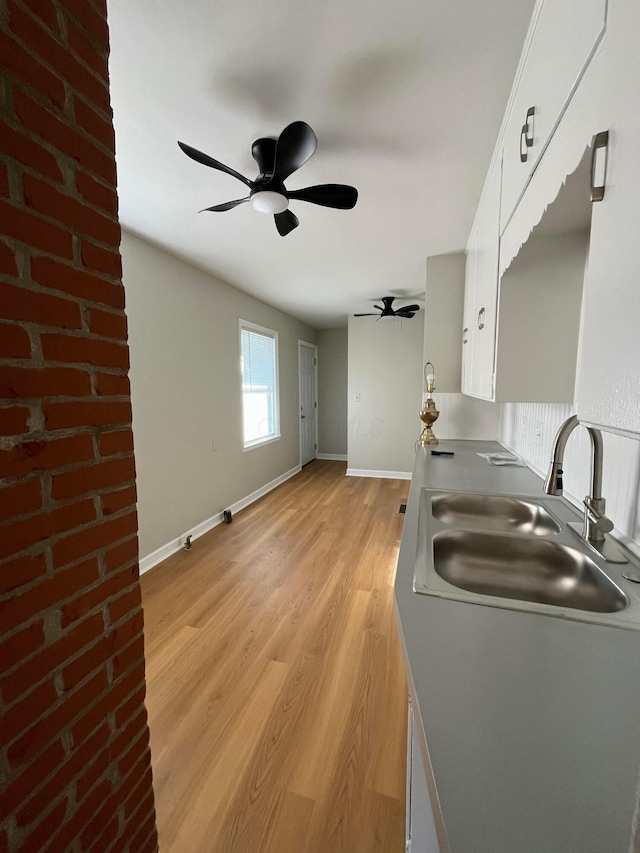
214 446
537 433
524 423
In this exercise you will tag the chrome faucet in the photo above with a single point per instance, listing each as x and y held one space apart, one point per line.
596 524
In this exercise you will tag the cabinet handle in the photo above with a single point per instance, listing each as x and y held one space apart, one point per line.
526 135
481 313
600 141
464 335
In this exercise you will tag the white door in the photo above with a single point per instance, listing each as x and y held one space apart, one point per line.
307 361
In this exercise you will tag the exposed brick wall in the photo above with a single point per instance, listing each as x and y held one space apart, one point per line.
74 760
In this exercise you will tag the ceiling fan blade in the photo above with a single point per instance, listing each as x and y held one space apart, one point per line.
412 308
295 145
405 315
379 307
286 222
365 315
199 157
340 196
228 205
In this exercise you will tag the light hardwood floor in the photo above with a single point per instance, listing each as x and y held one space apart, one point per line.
276 693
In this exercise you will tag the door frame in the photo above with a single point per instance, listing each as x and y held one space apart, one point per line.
314 347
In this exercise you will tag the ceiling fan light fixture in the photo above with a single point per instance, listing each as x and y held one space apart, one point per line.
267 201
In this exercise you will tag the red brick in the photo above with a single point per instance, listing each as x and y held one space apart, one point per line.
20 303
19 646
121 555
33 383
66 772
83 47
112 385
84 350
25 150
45 11
23 533
26 68
20 571
79 818
49 273
32 229
106 838
54 453
14 420
115 501
24 785
53 656
39 837
79 669
74 214
20 498
51 590
101 260
124 604
108 324
60 135
57 56
94 123
49 727
97 194
134 800
27 711
8 264
130 707
95 715
123 634
126 658
83 604
91 539
14 342
4 173
112 443
89 478
89 19
94 413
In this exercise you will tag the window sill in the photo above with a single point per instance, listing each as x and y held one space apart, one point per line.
261 442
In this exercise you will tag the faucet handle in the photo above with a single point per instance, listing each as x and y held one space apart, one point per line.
596 523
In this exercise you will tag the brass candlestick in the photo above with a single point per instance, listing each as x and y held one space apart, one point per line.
429 414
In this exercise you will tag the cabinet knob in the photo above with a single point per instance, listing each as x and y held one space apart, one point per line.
526 135
481 314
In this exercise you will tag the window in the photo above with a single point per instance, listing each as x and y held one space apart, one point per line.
259 360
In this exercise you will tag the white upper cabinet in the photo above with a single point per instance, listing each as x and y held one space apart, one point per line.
609 375
562 39
468 312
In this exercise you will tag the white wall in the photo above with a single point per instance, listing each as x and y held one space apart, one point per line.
385 369
186 396
621 470
332 391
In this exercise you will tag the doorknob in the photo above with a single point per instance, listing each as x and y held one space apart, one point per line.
302 416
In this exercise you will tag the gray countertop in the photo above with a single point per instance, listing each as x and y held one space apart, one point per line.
531 722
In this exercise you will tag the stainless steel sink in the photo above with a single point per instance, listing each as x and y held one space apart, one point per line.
523 568
493 512
517 552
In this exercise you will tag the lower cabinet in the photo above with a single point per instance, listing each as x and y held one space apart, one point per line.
421 829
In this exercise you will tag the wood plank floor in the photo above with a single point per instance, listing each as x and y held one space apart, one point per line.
276 693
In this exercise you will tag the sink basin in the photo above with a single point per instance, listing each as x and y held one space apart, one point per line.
493 512
527 569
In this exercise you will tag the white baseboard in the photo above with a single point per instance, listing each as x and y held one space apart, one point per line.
385 475
336 457
208 524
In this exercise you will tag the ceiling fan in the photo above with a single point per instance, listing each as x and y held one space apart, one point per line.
277 159
406 311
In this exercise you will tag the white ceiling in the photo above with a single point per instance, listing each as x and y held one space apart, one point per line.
406 99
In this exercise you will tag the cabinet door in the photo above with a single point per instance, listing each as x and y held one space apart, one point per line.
468 312
564 36
609 377
486 287
421 829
